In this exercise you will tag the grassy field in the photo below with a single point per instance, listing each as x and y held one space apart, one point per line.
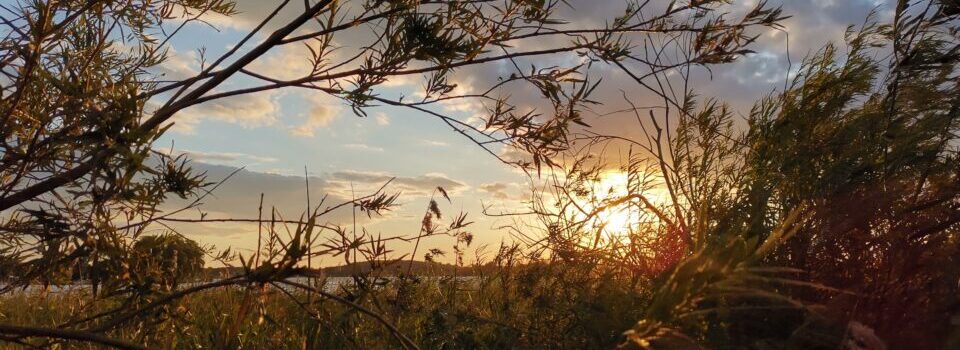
533 307
510 303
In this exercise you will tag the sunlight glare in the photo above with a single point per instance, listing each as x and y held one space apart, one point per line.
620 220
616 219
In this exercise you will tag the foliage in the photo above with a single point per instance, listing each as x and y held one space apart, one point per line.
866 150
832 212
175 258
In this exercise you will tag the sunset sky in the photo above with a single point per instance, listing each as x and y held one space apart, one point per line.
276 136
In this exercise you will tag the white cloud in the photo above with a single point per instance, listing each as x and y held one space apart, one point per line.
382 119
435 143
514 154
288 62
401 81
178 65
249 111
362 147
318 117
322 111
181 14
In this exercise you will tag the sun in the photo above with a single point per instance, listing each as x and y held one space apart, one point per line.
617 219
617 222
624 218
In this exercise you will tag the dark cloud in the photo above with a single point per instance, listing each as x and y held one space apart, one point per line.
239 194
813 24
410 185
224 158
498 190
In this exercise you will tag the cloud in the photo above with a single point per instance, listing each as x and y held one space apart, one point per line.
498 190
323 110
239 194
251 12
177 66
294 60
382 119
249 111
409 185
222 158
362 147
318 117
402 81
813 23
513 154
240 197
434 143
465 85
181 14
288 62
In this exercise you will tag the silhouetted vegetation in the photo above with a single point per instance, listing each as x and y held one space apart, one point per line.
826 218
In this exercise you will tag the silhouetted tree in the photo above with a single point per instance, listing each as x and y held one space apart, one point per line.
168 259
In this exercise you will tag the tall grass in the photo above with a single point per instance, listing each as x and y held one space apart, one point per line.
833 214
